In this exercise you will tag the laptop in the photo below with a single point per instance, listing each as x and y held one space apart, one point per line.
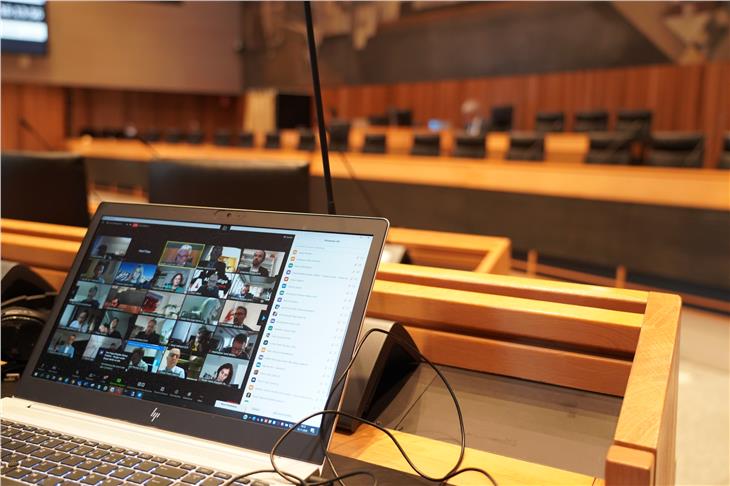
185 341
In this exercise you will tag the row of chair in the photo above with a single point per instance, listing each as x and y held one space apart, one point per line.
635 122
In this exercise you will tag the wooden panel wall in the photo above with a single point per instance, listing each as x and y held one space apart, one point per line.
42 106
101 108
681 97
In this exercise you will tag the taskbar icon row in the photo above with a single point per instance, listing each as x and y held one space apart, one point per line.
306 429
117 390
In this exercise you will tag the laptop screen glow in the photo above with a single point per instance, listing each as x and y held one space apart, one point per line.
240 321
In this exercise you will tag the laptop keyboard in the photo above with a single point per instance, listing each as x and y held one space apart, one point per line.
32 455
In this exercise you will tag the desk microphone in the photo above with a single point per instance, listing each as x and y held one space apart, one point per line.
27 126
320 109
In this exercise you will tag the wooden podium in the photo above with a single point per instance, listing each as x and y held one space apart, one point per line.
617 342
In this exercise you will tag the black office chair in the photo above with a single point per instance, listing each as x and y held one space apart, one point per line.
724 160
109 132
470 146
306 140
151 136
195 138
374 143
245 139
378 120
675 149
526 146
501 118
49 187
273 140
609 148
552 121
89 132
339 136
635 122
426 144
173 135
401 118
239 184
591 121
222 138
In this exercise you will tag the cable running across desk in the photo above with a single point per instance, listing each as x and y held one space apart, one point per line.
453 472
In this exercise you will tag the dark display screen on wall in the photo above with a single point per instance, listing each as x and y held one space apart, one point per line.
24 26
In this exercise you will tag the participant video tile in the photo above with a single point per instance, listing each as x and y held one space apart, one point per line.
261 262
194 337
152 330
70 344
172 279
210 283
127 299
165 304
252 288
181 254
215 254
80 318
201 309
243 314
100 270
224 370
89 294
110 247
138 275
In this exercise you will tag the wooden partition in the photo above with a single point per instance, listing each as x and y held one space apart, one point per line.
612 341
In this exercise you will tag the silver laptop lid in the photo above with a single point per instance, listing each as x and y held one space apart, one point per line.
226 325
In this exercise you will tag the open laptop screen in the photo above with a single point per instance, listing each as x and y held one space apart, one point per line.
240 321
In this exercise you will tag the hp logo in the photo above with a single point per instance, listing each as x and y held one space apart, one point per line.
154 415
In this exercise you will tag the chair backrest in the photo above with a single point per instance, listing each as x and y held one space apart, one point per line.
306 140
426 144
675 149
239 184
378 120
273 140
609 148
245 139
195 138
526 146
339 136
591 121
222 138
374 143
49 187
173 135
472 146
501 118
550 121
724 162
635 122
401 118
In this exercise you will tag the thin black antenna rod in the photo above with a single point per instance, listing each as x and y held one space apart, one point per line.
320 110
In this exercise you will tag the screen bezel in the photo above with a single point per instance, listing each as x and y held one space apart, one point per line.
206 425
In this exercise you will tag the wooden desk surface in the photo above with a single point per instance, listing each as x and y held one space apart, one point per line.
694 188
436 458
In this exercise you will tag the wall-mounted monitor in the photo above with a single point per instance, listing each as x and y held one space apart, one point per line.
24 27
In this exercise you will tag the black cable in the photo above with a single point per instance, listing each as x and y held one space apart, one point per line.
455 471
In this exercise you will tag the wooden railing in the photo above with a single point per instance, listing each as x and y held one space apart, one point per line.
613 341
